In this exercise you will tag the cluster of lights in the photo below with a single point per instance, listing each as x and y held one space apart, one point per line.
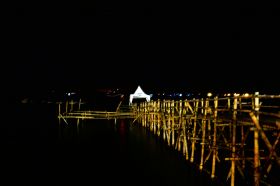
70 93
237 94
174 94
210 94
228 94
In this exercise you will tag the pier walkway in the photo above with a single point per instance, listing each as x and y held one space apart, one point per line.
233 138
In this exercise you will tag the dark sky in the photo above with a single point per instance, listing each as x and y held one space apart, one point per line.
154 45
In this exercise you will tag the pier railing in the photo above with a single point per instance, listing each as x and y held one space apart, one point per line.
233 138
77 110
74 110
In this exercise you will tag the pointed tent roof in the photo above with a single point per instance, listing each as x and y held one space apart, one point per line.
139 93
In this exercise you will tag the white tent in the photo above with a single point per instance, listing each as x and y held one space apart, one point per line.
139 94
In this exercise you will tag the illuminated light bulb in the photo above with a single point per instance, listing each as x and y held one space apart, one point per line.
209 94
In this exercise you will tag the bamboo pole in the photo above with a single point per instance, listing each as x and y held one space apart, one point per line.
164 120
256 142
169 124
71 105
141 113
155 116
203 134
173 122
80 101
233 148
243 163
59 112
181 128
194 130
202 105
158 117
145 115
151 117
78 127
214 138
268 164
163 127
59 120
228 103
187 133
66 107
264 137
148 115
184 123
186 149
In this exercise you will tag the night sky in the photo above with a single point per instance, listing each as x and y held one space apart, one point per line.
92 45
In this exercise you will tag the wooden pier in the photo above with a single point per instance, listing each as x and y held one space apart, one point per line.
234 138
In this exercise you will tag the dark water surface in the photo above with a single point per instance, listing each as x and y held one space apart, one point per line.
104 153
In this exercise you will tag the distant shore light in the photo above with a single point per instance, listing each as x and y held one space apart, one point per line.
246 94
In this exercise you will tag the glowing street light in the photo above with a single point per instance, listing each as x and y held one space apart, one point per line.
236 94
209 94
